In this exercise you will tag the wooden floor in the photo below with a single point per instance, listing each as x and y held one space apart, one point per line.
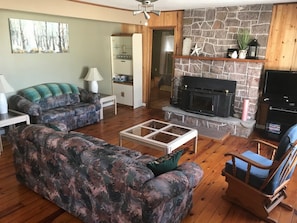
19 204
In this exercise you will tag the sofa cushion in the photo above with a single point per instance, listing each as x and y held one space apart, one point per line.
82 108
68 88
165 163
43 90
55 89
58 101
57 114
31 94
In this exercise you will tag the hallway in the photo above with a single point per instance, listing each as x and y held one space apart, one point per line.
159 98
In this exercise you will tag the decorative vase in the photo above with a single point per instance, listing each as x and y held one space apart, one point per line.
242 54
187 46
234 54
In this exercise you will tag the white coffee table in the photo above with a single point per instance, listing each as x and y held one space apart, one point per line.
160 135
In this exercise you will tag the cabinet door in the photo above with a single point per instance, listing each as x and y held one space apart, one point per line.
121 66
124 93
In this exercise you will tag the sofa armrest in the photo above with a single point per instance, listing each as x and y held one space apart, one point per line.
171 184
19 103
193 172
165 187
89 97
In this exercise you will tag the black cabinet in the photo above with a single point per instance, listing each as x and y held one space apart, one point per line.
279 120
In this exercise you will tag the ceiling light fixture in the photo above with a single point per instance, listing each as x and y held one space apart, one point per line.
146 7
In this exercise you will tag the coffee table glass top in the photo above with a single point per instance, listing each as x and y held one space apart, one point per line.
159 131
140 131
160 135
155 124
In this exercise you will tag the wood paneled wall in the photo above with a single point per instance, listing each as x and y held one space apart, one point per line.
281 53
167 20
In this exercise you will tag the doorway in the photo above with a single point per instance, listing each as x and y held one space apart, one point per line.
161 68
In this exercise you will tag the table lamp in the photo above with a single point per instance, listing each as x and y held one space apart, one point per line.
92 77
4 88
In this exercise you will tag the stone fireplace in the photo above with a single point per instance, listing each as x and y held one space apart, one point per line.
214 31
246 74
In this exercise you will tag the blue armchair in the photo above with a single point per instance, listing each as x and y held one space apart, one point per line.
258 183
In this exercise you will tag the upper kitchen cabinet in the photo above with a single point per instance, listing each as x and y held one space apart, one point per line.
126 53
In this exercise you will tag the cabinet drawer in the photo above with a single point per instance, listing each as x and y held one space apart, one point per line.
124 93
122 66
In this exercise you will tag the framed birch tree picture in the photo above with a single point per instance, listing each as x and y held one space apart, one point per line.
29 36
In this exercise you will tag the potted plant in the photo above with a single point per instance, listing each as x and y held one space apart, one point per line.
243 40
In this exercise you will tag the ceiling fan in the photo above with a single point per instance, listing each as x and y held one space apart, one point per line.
146 7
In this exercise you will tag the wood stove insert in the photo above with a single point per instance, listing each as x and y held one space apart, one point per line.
207 96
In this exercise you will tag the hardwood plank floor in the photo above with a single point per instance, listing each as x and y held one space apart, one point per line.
19 204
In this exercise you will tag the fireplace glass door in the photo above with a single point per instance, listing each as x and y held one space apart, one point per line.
202 103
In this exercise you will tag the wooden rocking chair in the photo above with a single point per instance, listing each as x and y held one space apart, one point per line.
259 184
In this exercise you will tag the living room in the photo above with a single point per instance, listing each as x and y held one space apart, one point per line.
89 47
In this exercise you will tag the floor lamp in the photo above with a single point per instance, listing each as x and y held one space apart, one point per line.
4 88
92 77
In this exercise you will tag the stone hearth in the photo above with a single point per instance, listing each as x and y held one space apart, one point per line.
233 125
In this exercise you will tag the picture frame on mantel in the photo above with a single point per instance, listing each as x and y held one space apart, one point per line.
30 36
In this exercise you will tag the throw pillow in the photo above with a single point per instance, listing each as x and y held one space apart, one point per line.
165 163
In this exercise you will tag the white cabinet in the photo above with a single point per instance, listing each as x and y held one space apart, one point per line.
126 53
124 93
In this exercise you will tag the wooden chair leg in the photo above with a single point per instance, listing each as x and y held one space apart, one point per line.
286 206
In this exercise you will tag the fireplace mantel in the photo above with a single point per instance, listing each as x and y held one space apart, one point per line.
220 59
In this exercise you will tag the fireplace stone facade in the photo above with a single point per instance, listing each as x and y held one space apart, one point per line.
214 31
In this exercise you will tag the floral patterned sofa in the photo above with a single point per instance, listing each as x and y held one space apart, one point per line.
61 103
99 182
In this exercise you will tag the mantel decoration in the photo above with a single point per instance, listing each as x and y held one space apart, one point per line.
187 42
243 40
196 50
253 49
29 36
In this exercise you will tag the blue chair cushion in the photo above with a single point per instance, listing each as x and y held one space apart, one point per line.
257 176
287 139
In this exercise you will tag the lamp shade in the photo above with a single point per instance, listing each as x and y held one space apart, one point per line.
93 75
4 85
4 88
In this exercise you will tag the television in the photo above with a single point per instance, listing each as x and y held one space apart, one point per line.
280 85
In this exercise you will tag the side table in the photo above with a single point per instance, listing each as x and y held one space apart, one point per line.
10 119
107 100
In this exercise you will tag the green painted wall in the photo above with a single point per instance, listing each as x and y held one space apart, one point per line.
89 47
